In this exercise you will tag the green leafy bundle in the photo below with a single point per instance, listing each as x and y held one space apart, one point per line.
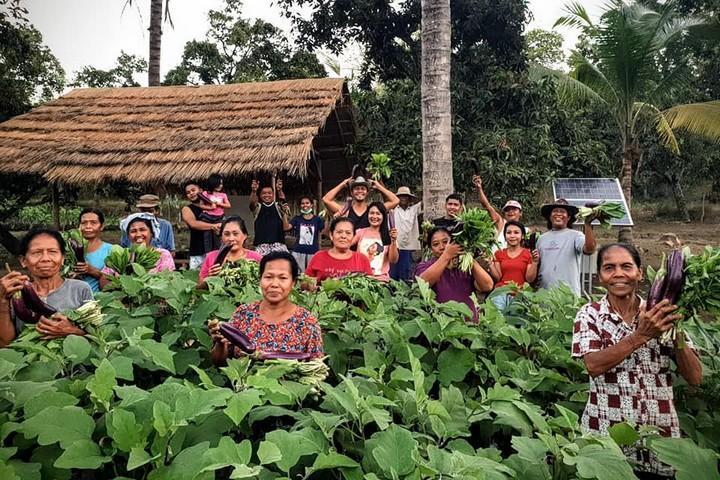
89 314
476 233
603 213
121 259
379 166
312 372
69 259
240 272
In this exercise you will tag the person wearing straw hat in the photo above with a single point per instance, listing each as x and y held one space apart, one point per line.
165 237
511 211
561 248
356 209
408 229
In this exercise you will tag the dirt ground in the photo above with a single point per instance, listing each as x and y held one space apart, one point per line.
653 238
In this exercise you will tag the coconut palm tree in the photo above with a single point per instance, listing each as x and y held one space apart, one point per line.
156 19
435 94
621 73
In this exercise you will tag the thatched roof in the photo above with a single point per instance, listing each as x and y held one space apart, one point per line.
172 134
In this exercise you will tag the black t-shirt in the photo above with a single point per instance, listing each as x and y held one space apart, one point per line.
268 225
444 222
360 221
197 244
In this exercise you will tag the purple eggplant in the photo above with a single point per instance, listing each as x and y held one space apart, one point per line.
391 219
222 254
299 356
237 338
23 312
656 290
35 303
530 241
78 250
675 276
592 204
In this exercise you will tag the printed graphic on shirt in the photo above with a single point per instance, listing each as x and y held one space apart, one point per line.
375 252
307 234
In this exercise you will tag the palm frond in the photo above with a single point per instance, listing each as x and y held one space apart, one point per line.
666 89
577 17
568 89
662 126
699 118
588 73
697 27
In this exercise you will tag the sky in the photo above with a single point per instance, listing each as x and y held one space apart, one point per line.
93 32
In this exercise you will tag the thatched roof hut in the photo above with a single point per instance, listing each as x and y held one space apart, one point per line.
171 134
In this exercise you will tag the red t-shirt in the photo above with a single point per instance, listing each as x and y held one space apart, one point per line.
323 266
513 269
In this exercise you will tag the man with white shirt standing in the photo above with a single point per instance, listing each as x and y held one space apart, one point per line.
408 228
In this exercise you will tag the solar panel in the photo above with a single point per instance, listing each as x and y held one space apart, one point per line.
579 191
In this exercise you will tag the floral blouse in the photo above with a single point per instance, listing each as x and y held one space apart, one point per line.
299 334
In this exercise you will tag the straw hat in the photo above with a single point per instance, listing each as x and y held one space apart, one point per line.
148 201
547 209
359 182
404 191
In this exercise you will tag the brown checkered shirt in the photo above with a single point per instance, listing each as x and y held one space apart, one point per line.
638 390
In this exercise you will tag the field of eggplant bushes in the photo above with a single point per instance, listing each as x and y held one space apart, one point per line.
413 392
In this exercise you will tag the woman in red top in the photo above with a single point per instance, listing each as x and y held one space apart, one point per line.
513 264
274 324
339 260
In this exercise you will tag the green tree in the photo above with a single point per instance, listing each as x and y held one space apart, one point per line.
29 72
627 43
121 75
239 50
544 48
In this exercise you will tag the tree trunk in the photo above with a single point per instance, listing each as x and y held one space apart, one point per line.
436 117
679 196
156 12
631 154
56 206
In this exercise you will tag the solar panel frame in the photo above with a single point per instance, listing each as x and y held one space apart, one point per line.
579 191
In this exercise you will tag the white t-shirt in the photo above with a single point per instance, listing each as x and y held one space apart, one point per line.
406 223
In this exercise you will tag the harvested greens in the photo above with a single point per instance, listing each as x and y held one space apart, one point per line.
603 212
476 233
121 259
240 272
379 166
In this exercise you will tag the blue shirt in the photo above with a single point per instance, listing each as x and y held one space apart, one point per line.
165 240
97 260
307 234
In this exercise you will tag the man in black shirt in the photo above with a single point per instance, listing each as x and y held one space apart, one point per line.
190 214
356 209
453 207
271 217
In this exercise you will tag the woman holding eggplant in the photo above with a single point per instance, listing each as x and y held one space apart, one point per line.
446 279
233 234
141 229
273 327
44 291
618 338
378 242
91 256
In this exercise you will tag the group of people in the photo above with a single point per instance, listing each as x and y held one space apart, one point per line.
617 337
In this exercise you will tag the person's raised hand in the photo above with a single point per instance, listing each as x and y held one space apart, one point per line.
535 256
393 234
254 185
477 181
12 283
452 251
279 185
656 321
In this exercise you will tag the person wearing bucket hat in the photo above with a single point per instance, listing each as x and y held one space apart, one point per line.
408 229
165 237
561 248
357 205
511 211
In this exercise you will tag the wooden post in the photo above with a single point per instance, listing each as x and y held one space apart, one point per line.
55 195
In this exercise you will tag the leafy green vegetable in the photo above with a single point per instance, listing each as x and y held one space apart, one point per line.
240 272
476 233
121 259
379 166
603 213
